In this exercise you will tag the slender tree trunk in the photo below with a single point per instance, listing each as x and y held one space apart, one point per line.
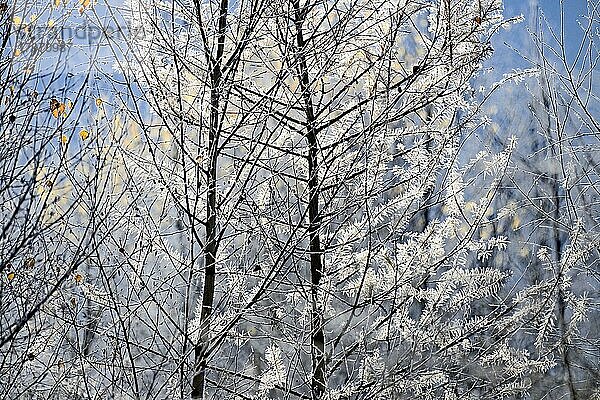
557 247
316 265
210 254
316 272
423 221
555 200
210 250
562 318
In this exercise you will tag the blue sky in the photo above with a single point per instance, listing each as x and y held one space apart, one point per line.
504 60
550 10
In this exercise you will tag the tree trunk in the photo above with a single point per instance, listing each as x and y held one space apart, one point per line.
561 312
211 245
316 266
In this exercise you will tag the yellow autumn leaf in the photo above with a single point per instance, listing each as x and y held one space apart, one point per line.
17 53
524 252
17 20
57 108
50 23
78 278
84 134
10 276
516 223
56 3
84 5
64 139
98 101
